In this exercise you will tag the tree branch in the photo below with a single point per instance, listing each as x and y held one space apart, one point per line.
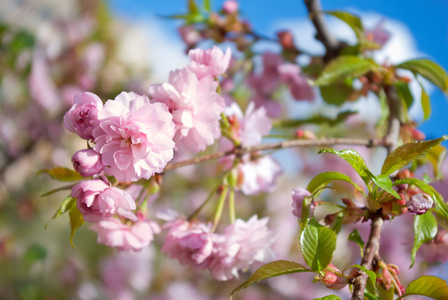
280 145
332 45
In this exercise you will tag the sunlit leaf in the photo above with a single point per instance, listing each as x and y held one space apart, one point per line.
354 236
385 183
343 67
76 221
425 229
429 286
68 204
207 5
317 244
436 156
272 269
427 69
62 174
425 102
406 153
350 19
385 294
354 159
322 179
404 93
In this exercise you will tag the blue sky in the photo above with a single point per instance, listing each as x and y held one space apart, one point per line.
426 20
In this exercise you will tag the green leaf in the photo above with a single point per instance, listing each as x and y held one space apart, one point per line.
371 296
343 67
429 286
404 93
317 244
68 204
425 102
329 297
382 124
406 153
350 19
322 179
336 93
62 174
35 253
427 69
307 215
436 156
272 269
385 294
425 229
385 183
355 237
76 221
193 8
441 205
207 5
291 123
354 159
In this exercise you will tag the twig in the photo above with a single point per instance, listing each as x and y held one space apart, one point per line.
281 145
370 252
332 45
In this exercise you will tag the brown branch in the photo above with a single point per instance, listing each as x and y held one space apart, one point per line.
280 145
370 252
332 45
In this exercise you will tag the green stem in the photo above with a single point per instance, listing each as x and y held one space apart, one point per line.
210 196
232 205
218 212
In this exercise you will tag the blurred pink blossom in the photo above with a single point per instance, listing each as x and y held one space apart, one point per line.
114 233
211 62
230 7
87 162
299 87
244 244
189 35
190 243
378 34
437 249
98 201
134 137
195 105
83 115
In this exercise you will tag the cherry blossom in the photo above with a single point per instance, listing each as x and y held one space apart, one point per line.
195 105
298 194
244 244
210 62
114 233
97 201
87 162
82 117
134 137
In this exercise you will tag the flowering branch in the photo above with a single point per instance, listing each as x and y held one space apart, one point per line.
281 145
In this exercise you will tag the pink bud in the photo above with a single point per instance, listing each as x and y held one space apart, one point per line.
419 204
298 194
87 162
230 7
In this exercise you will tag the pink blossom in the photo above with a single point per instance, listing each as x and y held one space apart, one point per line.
230 7
98 201
87 162
298 194
210 62
82 117
135 237
195 105
437 249
299 87
190 243
134 137
189 35
257 173
244 244
378 34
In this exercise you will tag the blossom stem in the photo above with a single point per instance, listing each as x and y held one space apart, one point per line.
219 208
232 205
210 196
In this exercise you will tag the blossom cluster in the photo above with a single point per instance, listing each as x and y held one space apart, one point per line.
134 136
241 244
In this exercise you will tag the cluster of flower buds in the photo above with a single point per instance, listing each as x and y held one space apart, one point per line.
332 278
389 277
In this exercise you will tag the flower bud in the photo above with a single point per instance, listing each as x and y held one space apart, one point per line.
298 194
230 7
87 162
419 204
